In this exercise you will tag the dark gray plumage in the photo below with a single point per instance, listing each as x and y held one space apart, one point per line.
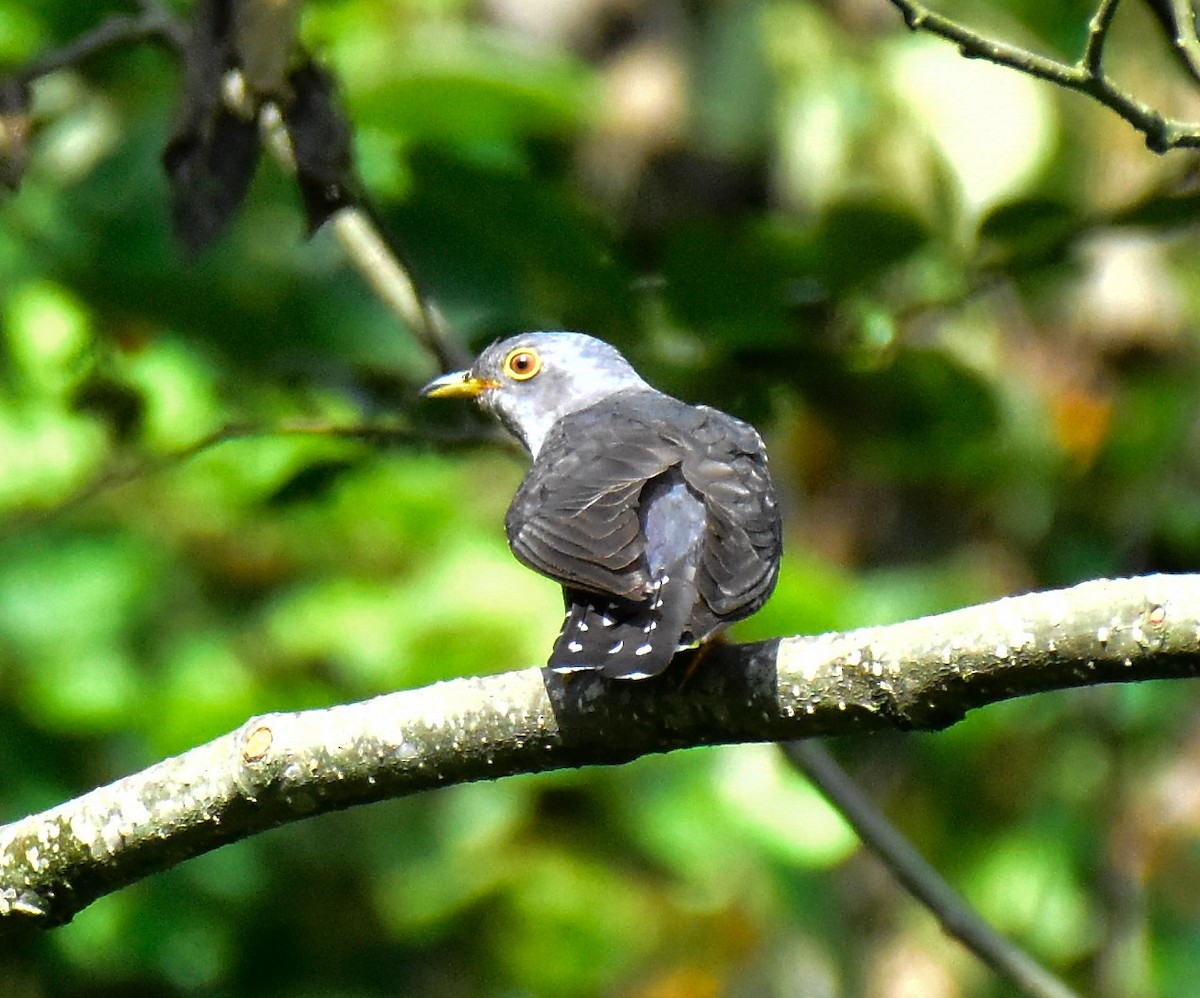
657 517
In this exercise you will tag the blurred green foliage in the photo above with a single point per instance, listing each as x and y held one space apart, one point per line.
966 323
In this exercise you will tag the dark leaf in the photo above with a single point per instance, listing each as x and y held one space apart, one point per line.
210 173
859 240
680 184
1030 232
541 257
206 58
211 155
321 141
732 281
118 404
310 483
1162 211
1021 221
923 415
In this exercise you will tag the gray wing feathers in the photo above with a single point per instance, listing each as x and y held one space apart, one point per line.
628 640
740 560
575 517
580 515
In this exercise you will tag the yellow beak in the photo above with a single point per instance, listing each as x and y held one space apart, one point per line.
459 385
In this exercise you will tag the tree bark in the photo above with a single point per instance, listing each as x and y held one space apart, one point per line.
278 768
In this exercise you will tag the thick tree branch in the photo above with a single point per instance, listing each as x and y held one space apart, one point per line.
278 768
1086 75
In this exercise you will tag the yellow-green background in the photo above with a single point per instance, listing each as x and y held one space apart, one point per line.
961 306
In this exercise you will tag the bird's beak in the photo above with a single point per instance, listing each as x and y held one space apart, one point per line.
458 385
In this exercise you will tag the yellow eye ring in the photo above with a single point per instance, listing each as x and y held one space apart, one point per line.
522 363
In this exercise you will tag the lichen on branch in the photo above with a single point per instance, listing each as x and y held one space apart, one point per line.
278 768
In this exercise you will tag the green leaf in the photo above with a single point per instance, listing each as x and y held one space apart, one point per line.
1161 211
856 241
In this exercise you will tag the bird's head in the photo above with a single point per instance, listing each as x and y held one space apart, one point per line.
531 381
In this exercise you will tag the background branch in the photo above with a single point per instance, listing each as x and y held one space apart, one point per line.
1178 19
1085 75
918 877
278 768
126 468
284 531
153 23
364 245
375 260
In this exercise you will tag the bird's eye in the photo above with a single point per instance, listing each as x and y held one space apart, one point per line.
522 364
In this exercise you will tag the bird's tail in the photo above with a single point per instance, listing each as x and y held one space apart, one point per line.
623 640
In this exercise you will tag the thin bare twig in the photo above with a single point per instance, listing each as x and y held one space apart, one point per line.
1098 28
1185 40
119 473
919 878
375 260
1178 21
391 281
153 23
359 237
1161 133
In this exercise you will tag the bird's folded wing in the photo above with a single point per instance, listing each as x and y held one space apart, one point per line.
575 518
740 560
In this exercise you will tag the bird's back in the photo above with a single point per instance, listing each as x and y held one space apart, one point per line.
654 515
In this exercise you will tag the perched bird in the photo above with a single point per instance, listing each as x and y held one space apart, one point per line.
657 517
